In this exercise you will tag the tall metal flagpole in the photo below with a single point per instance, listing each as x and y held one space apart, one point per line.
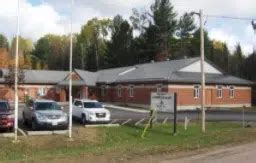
16 102
202 71
70 72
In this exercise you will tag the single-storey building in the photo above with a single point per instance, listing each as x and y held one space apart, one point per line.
132 85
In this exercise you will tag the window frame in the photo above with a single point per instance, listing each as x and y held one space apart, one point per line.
231 91
131 90
41 91
219 93
159 88
197 91
119 91
103 91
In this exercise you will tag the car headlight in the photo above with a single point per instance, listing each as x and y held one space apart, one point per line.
91 113
40 117
64 117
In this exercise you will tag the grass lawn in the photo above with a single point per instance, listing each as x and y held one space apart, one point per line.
125 140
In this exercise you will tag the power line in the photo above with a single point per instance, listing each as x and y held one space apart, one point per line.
229 17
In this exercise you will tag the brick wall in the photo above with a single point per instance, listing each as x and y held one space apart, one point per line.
185 94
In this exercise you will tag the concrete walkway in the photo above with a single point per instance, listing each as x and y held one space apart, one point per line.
239 154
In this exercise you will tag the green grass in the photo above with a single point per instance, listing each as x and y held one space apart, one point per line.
126 140
247 109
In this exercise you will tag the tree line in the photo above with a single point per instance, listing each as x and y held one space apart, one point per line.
155 33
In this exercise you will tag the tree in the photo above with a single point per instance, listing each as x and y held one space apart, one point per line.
164 20
91 44
195 43
186 26
139 20
3 42
10 77
25 46
182 46
120 46
220 55
236 62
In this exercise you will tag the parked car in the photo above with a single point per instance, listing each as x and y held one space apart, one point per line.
6 116
44 114
90 111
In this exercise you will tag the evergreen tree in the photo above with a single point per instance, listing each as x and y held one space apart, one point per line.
119 48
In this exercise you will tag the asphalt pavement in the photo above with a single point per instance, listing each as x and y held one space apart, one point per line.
120 116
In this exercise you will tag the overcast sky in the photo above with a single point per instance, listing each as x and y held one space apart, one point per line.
39 17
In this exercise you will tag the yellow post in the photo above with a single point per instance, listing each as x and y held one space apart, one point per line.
152 114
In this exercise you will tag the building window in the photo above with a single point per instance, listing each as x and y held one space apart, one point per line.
159 88
219 91
41 91
103 91
197 91
131 91
231 91
119 91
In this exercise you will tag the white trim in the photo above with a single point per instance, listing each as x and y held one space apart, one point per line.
131 90
219 91
119 91
231 92
197 92
159 88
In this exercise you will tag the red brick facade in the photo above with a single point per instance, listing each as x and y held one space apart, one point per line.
185 94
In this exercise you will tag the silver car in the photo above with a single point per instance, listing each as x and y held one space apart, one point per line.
44 114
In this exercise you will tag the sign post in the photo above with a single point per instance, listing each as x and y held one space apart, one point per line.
175 115
165 102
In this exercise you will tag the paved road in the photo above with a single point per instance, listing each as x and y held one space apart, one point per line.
239 154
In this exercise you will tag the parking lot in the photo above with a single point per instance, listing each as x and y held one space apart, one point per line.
137 117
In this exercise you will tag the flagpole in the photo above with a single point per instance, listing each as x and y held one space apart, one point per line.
70 71
16 98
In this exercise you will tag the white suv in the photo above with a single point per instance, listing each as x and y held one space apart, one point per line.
90 111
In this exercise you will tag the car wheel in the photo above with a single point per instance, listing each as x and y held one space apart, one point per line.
11 129
34 125
24 120
83 119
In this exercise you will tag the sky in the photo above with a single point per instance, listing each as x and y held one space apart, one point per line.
40 17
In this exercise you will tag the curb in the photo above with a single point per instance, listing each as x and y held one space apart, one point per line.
41 133
127 109
102 125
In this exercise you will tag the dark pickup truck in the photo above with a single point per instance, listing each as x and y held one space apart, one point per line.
6 116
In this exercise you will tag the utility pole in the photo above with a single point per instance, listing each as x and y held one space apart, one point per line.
16 98
254 40
70 72
200 14
202 70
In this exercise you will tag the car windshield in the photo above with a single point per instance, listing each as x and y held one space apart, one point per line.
47 106
92 105
3 106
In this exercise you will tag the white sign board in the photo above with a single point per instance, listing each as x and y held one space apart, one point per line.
162 102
